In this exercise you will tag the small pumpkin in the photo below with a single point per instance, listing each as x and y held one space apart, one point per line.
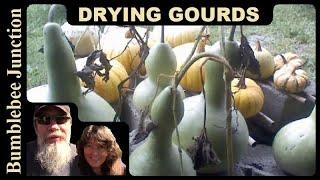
177 35
290 79
290 58
108 89
265 59
249 100
191 80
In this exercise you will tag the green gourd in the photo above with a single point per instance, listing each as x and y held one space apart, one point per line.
192 122
160 66
232 52
63 83
158 155
232 49
294 146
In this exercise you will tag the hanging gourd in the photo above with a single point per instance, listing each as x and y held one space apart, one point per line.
160 66
177 35
265 59
158 156
191 80
108 89
288 58
63 83
192 123
248 97
290 79
84 38
294 146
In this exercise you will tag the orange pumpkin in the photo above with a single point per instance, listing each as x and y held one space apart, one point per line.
248 100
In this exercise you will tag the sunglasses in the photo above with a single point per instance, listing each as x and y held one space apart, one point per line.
46 120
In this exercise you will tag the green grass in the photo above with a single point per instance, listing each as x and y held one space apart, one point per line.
292 29
37 16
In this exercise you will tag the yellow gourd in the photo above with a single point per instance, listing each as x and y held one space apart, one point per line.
248 100
126 50
177 35
108 89
265 59
191 80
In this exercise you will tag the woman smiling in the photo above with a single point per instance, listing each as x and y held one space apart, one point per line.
99 153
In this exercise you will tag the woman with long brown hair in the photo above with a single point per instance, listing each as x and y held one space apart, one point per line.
99 153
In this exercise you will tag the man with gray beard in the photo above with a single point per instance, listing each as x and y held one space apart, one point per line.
52 154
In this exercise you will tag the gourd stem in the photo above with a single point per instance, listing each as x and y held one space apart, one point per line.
231 36
204 96
145 52
258 46
177 80
174 93
228 110
222 42
162 34
201 45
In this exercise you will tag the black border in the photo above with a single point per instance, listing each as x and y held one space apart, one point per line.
26 108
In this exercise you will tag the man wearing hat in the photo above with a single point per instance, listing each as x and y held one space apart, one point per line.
52 153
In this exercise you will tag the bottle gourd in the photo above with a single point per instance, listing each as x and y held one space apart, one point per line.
160 65
216 115
294 146
63 83
158 155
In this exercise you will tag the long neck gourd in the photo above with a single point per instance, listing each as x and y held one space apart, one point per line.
63 83
216 115
158 155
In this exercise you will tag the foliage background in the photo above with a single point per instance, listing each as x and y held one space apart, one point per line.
293 29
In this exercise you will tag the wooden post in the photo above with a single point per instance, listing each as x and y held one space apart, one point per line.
298 98
264 118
